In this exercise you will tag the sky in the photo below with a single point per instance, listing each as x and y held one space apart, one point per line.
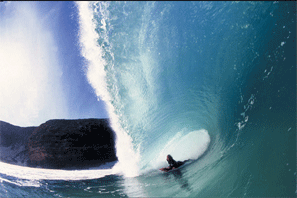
42 72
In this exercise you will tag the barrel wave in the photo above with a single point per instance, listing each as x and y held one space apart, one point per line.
198 80
214 82
194 80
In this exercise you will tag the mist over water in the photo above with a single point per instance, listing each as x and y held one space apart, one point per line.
30 77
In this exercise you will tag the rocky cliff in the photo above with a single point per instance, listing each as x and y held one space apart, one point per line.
60 144
14 143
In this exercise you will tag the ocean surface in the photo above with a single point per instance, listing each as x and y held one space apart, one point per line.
214 82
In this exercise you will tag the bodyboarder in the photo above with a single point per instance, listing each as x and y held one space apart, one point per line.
172 164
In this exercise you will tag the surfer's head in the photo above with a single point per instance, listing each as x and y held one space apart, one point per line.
170 160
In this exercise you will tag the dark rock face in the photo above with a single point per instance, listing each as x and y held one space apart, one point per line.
62 144
14 143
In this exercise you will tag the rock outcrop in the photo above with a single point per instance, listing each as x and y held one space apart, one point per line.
60 144
14 143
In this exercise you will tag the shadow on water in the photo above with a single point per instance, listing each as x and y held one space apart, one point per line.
178 176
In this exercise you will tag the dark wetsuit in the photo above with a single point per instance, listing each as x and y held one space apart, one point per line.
172 164
175 164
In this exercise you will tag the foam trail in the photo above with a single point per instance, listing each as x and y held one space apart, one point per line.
28 173
96 75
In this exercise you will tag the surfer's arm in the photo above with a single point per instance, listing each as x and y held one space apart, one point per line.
165 169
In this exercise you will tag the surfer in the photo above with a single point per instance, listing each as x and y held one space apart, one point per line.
172 164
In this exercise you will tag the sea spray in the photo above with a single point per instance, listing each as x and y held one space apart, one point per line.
96 75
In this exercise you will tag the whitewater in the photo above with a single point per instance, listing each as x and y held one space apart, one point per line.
214 82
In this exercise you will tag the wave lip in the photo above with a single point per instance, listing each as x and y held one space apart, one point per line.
96 75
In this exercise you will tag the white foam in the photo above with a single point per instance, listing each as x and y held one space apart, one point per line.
128 158
91 51
34 183
51 174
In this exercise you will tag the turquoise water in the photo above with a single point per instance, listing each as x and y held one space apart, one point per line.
211 81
